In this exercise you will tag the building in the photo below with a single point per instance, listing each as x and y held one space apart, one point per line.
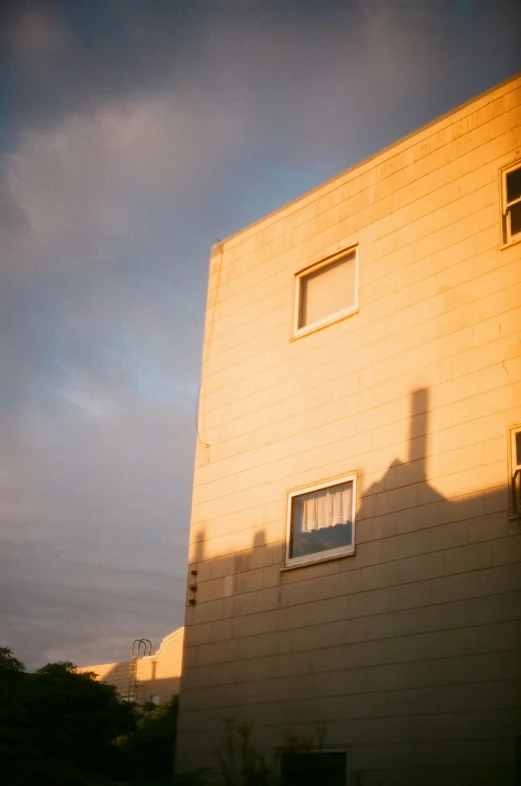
355 541
153 677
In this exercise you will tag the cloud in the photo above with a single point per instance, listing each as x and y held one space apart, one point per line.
94 521
100 347
46 616
77 186
139 133
36 34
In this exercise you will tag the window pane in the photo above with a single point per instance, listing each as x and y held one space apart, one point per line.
514 185
515 219
327 291
322 520
517 457
314 769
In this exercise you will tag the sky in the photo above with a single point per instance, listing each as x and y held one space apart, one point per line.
133 135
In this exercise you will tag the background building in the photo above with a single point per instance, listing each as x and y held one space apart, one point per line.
355 538
156 677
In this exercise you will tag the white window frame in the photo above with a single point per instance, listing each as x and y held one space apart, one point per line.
507 237
319 556
337 315
514 474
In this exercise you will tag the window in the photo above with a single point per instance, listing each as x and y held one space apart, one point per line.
321 522
511 197
514 467
326 292
154 698
320 768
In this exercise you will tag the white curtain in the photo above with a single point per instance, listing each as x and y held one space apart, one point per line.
324 508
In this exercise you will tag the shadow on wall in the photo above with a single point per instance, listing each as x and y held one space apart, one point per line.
158 675
409 651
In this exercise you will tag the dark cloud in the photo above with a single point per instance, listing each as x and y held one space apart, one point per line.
67 56
137 132
98 614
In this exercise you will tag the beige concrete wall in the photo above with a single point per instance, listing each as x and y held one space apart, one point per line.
409 650
158 674
115 674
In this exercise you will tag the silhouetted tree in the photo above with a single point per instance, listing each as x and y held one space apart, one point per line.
150 748
59 727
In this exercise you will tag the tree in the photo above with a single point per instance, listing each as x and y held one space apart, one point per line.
150 748
59 727
8 663
13 715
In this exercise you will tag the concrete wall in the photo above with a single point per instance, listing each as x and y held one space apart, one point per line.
409 650
158 674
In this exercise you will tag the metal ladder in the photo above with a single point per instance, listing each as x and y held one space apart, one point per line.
140 649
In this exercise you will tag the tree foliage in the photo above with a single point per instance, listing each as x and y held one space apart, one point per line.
150 748
59 727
